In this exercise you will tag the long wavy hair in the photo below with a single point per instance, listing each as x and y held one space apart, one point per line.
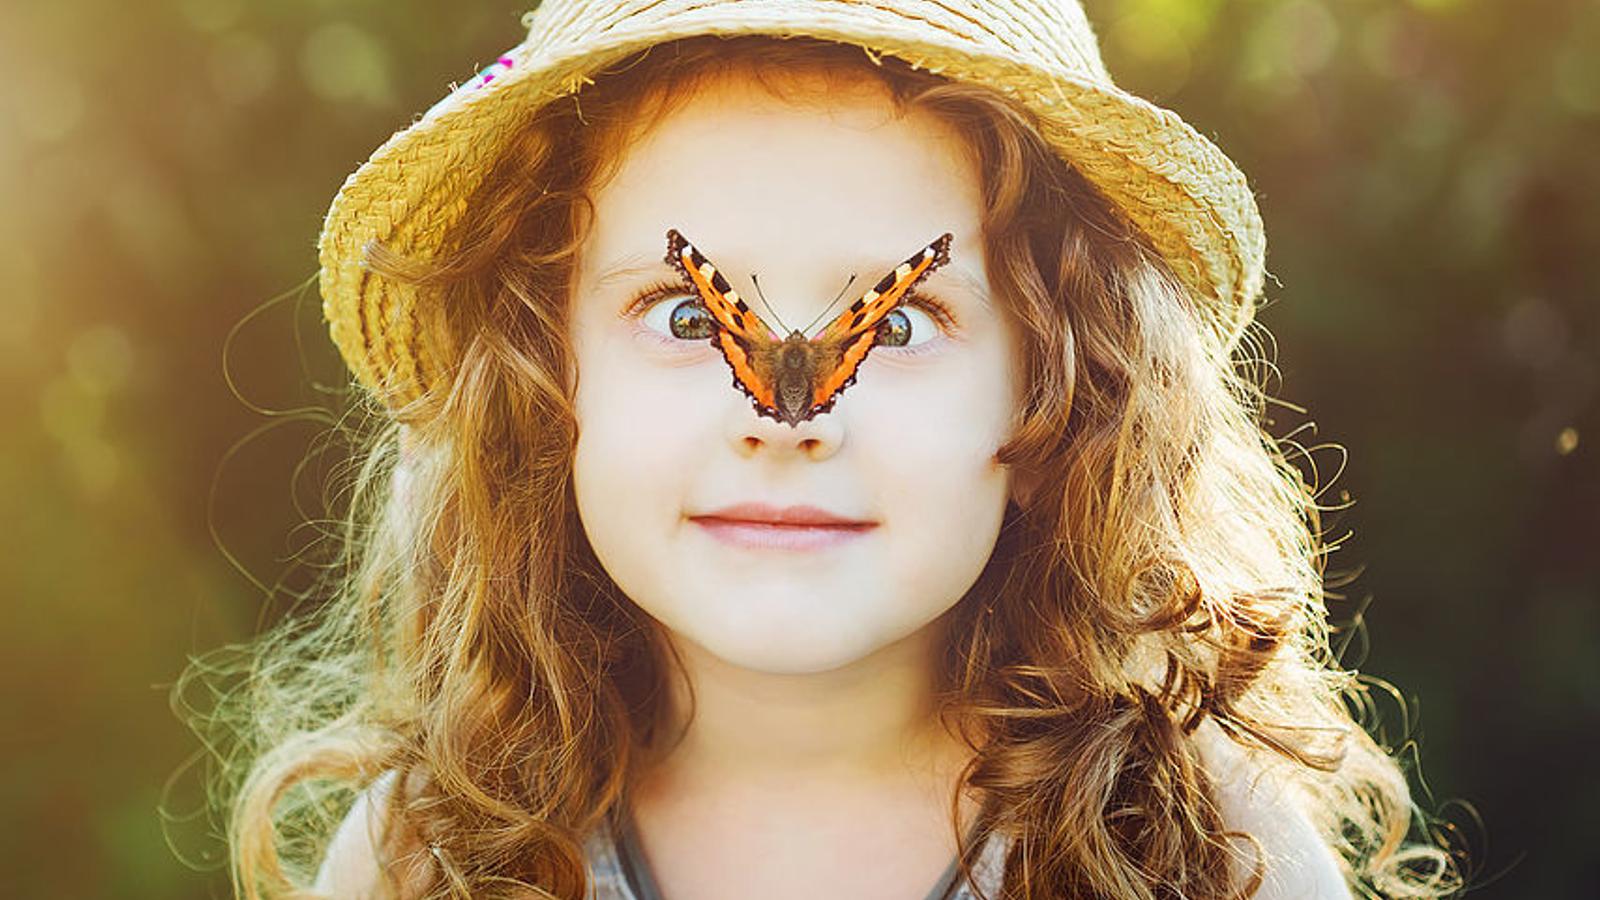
1167 571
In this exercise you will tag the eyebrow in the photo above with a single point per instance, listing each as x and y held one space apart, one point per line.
967 279
639 264
631 266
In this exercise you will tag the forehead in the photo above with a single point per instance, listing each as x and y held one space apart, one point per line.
829 171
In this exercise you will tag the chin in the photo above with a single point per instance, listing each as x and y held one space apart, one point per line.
789 650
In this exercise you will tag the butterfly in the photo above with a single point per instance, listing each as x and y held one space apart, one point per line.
794 379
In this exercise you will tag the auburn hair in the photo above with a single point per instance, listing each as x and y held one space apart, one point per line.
1166 573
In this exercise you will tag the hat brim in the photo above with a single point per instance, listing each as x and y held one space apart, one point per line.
1180 189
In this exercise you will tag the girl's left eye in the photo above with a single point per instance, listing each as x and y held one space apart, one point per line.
916 321
916 325
687 319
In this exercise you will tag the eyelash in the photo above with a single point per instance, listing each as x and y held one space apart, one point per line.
664 289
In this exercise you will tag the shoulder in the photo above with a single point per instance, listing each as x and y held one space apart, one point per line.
361 852
1297 862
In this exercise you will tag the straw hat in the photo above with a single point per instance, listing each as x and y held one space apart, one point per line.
1190 199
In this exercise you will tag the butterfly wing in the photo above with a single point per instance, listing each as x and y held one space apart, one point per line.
747 343
843 345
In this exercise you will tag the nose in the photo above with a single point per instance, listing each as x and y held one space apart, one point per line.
815 439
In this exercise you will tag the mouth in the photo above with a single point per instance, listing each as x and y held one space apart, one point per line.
757 526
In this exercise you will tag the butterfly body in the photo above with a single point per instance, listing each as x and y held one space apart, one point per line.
796 378
795 365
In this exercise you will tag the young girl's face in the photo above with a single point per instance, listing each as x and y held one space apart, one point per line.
804 196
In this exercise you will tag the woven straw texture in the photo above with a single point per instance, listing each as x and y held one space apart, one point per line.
1185 194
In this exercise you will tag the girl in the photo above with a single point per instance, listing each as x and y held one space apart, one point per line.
991 586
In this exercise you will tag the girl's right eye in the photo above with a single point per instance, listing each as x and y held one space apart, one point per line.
687 319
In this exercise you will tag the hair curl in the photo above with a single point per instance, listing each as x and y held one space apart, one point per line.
1166 571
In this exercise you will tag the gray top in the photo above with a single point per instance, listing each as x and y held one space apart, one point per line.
619 870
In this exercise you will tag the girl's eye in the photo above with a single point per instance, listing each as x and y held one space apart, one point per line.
907 325
688 319
913 323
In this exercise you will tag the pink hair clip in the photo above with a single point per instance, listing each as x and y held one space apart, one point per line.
498 67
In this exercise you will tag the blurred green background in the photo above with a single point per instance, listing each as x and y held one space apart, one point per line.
1429 171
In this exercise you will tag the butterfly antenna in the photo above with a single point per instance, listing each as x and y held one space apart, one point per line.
774 312
833 304
766 304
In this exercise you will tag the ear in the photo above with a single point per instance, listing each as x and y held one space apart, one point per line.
1024 482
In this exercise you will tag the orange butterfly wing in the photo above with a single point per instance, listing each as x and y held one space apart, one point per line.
749 345
743 335
855 331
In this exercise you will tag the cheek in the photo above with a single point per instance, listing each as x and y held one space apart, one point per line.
639 445
931 438
940 424
638 403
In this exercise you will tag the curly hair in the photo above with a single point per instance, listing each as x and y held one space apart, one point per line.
1166 572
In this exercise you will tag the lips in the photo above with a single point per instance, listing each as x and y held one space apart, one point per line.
762 513
762 526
